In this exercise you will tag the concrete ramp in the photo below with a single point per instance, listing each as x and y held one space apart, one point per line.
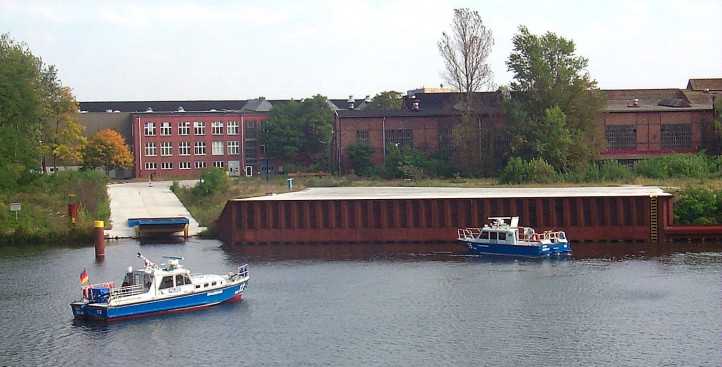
139 200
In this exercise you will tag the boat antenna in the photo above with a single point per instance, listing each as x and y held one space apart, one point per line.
173 257
146 261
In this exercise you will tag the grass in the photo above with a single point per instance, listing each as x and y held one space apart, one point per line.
44 213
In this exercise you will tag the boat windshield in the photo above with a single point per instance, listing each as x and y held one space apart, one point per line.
137 277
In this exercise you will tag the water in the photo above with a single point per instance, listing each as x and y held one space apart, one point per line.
357 305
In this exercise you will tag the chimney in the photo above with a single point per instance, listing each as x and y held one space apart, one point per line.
350 102
415 103
181 109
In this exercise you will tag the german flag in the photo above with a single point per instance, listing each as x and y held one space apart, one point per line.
84 277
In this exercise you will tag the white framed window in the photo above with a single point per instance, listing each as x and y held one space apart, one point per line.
200 164
165 128
234 147
149 129
184 165
166 148
199 148
199 128
217 128
184 148
166 165
151 165
217 148
184 128
218 164
232 128
149 149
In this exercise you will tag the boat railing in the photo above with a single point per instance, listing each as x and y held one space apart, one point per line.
243 271
551 236
468 233
127 291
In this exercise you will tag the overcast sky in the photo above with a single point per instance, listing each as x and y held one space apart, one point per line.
165 50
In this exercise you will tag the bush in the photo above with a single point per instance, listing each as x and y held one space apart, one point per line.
213 180
360 157
698 206
518 171
697 165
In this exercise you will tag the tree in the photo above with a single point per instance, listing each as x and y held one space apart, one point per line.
21 110
299 132
62 134
360 157
465 52
548 74
107 148
386 101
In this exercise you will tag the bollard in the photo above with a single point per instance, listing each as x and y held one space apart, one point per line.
99 239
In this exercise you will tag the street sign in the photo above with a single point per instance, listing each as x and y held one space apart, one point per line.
15 207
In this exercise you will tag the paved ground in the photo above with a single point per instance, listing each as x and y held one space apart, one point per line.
137 199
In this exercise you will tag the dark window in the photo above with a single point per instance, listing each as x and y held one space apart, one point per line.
676 136
214 283
362 136
400 137
484 235
205 285
502 236
621 137
166 282
198 286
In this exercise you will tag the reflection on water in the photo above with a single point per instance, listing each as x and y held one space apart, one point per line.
609 304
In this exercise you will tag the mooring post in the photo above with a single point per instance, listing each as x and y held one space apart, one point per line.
99 233
185 232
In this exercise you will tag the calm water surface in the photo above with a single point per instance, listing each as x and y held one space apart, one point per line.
371 305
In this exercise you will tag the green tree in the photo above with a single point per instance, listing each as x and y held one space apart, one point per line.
386 101
213 180
21 110
299 132
107 148
63 135
549 74
360 157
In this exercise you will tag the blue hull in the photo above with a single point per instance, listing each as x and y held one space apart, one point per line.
175 304
519 250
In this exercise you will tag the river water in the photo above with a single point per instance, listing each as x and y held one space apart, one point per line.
379 305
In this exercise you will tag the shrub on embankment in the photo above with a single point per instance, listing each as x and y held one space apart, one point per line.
44 207
698 206
688 166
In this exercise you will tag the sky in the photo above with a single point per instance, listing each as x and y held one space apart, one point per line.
172 50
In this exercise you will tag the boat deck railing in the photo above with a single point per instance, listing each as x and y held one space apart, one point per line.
129 290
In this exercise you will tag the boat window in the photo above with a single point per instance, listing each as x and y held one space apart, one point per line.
214 283
205 285
502 236
484 235
179 280
167 282
198 286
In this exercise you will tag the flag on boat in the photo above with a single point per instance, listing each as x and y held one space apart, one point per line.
84 277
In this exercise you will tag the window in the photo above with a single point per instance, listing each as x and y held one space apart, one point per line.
400 137
167 282
166 148
232 128
151 165
184 165
217 128
251 129
218 164
184 128
502 236
621 137
182 279
200 164
205 285
676 136
362 136
250 150
484 235
149 129
149 149
199 128
166 165
165 129
233 148
217 148
200 148
213 283
184 148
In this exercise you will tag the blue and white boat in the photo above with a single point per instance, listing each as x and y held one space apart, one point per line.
504 237
157 289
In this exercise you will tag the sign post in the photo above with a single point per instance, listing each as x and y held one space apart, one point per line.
15 207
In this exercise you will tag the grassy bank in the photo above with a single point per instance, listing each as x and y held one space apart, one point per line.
44 214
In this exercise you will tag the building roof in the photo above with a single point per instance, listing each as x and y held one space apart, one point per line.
255 105
435 104
650 100
379 193
712 84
